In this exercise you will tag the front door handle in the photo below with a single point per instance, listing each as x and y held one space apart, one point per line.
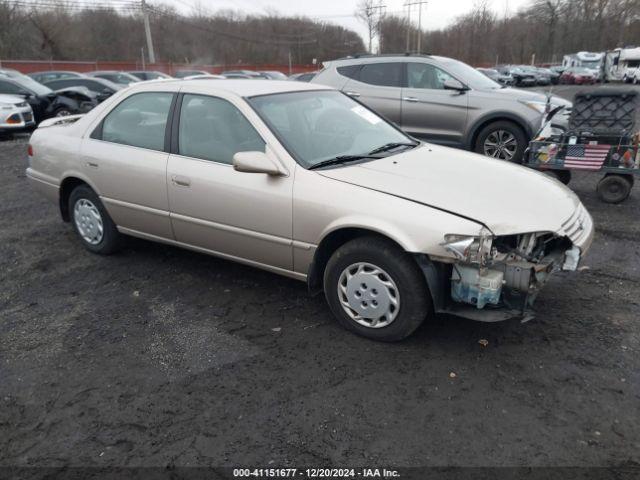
353 94
180 180
410 99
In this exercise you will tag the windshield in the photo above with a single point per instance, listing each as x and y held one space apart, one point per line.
590 63
468 75
30 84
579 70
316 126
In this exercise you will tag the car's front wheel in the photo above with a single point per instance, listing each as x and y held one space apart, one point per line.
376 290
502 140
92 223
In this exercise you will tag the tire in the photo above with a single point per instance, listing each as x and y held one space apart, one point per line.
381 274
491 133
90 209
62 112
614 188
564 176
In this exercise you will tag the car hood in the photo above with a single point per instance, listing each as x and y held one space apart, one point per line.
11 99
506 198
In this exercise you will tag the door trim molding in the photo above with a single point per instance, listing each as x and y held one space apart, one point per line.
229 228
135 206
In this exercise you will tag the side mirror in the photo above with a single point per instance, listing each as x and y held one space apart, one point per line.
453 84
25 94
256 162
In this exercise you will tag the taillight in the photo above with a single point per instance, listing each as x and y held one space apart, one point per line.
30 150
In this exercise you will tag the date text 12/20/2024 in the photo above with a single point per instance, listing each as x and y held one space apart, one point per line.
315 473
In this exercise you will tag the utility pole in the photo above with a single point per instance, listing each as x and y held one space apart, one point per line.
370 13
408 5
147 31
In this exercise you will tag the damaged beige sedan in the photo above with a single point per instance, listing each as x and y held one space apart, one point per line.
306 182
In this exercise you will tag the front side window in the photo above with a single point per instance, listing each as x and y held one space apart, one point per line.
320 125
213 129
424 75
382 74
139 121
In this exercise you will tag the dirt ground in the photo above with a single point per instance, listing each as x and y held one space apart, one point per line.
158 356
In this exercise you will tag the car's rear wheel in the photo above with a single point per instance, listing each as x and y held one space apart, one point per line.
502 140
376 290
92 223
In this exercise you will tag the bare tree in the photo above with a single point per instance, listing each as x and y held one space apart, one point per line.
366 12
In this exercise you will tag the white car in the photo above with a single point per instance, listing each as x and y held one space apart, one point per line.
15 114
302 180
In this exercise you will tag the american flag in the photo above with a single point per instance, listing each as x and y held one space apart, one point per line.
586 157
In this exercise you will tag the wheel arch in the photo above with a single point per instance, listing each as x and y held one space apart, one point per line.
333 240
485 120
67 185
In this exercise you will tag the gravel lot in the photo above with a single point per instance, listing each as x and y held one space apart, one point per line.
162 357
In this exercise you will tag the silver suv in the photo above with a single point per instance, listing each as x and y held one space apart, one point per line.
443 101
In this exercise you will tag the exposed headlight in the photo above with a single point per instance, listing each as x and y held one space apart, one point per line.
470 249
536 105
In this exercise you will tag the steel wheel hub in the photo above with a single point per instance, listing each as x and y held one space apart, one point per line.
500 144
368 295
88 221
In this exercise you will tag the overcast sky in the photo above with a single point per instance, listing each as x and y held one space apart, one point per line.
435 14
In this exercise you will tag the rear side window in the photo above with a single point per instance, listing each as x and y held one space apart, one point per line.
213 129
382 74
139 121
349 71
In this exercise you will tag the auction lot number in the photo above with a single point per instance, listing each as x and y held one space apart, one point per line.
314 473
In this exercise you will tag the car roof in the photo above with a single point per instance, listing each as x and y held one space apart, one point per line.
241 88
53 71
388 58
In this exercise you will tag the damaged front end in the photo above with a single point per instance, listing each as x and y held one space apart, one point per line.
494 278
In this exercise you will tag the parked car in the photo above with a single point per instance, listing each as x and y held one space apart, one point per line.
248 73
577 76
496 76
189 73
208 76
321 189
240 76
121 78
10 72
557 69
273 74
302 77
442 100
554 77
46 102
541 78
48 76
15 114
149 75
521 78
102 88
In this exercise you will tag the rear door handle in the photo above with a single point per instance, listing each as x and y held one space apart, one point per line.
353 94
410 99
180 180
